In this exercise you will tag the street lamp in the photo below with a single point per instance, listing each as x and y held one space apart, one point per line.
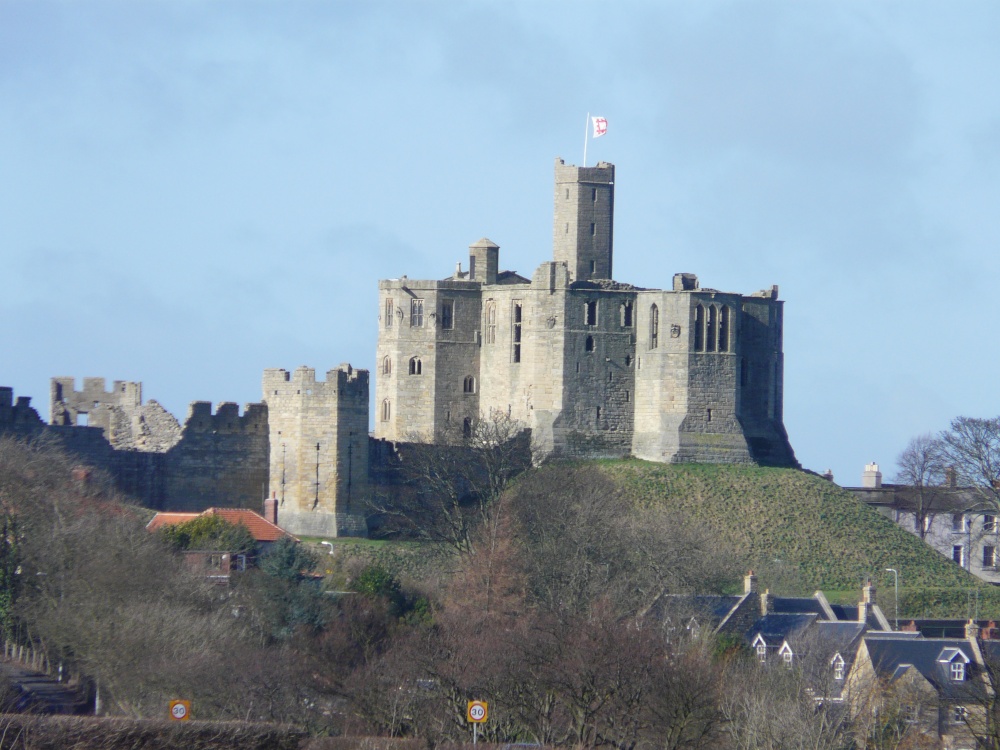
895 585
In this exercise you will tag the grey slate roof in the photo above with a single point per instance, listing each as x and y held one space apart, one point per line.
890 655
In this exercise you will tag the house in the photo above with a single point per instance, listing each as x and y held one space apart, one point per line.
953 520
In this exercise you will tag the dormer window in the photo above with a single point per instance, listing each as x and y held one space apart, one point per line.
957 671
760 648
956 660
838 666
786 654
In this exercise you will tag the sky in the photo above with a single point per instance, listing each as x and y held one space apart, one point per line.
191 192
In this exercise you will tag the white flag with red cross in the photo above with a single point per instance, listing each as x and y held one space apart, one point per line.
600 126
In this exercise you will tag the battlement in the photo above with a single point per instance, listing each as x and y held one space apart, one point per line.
19 413
227 418
66 404
342 382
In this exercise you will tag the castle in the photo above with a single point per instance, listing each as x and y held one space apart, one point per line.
592 367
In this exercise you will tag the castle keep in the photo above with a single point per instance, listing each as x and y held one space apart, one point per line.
594 367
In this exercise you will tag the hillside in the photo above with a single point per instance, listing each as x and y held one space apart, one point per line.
802 533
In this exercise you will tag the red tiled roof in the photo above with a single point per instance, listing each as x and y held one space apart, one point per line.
261 529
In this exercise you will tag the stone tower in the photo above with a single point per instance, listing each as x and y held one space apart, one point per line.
318 449
583 223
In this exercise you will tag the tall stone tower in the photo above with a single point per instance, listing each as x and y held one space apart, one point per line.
583 224
318 449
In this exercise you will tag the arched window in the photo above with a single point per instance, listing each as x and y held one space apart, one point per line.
467 427
699 328
654 326
491 322
712 333
589 344
724 329
386 410
469 385
386 365
590 312
415 366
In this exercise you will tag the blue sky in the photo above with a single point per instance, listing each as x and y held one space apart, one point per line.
193 191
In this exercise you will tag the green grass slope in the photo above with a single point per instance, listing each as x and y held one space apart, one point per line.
805 533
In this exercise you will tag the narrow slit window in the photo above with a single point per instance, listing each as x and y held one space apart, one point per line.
491 322
712 332
590 311
386 365
724 329
699 328
386 410
588 345
626 315
654 326
390 311
516 331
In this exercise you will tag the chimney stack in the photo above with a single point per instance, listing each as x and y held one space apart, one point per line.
271 509
871 477
750 583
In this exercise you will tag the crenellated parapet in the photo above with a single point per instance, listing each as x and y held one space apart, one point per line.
227 419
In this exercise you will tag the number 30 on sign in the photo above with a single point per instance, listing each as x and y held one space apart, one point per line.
478 712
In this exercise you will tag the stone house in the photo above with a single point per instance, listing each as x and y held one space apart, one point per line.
955 520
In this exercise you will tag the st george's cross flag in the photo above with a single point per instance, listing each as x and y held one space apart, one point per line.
600 126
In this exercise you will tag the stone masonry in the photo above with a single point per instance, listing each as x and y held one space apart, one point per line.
594 367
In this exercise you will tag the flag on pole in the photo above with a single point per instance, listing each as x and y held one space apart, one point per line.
600 126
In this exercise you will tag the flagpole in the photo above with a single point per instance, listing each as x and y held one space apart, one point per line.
586 137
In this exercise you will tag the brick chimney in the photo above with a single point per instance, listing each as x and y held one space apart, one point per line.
971 630
271 509
750 583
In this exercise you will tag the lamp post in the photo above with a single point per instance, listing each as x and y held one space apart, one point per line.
895 586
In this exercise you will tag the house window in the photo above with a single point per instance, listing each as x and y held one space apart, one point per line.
957 671
416 313
469 385
516 331
959 714
390 311
491 322
989 523
699 328
386 410
626 315
989 556
958 554
724 329
589 344
787 657
910 713
957 522
590 309
838 667
448 314
654 326
386 365
416 367
762 652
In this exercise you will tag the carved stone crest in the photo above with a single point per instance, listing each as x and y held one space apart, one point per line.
675 331
551 322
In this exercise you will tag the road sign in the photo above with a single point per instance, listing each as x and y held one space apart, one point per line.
478 712
180 710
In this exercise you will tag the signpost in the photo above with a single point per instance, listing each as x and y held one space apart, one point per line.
477 713
180 710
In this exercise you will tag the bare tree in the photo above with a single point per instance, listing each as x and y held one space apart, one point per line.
972 447
922 471
451 490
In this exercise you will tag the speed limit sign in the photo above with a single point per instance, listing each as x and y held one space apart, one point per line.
478 712
180 710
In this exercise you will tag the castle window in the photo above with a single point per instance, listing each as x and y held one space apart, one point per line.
467 427
390 311
416 367
654 326
593 229
626 310
708 416
589 344
386 410
598 415
516 331
610 376
627 397
567 193
699 328
724 329
593 266
567 227
417 313
448 314
491 322
590 309
711 333
469 384
386 365
628 360
593 194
